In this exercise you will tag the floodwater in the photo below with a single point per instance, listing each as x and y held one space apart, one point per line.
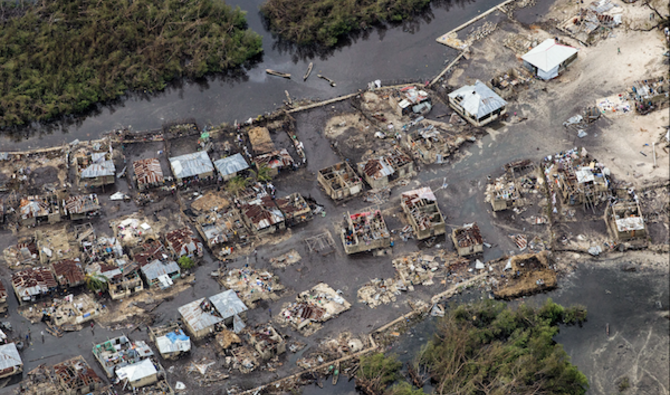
404 52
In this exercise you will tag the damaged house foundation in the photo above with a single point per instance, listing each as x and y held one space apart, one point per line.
365 231
422 213
468 240
340 181
625 221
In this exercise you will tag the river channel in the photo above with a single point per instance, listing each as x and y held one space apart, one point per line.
404 52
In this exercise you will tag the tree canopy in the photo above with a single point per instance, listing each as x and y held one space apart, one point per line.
61 57
325 22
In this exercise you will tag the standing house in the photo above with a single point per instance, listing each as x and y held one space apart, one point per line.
10 360
81 206
549 58
192 166
262 215
340 181
148 173
376 172
414 100
95 169
32 283
69 273
209 315
422 213
230 166
276 161
261 142
76 377
122 282
365 231
159 274
138 374
181 243
120 352
468 240
625 221
477 103
170 341
37 209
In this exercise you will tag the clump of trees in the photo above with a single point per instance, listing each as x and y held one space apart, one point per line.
61 57
324 22
487 348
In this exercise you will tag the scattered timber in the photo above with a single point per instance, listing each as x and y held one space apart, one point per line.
498 7
336 373
278 73
288 97
332 83
309 71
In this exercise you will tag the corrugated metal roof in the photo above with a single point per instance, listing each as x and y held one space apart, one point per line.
190 165
82 204
548 55
101 165
228 303
9 356
376 168
157 268
196 317
33 281
231 164
69 272
148 171
173 342
478 99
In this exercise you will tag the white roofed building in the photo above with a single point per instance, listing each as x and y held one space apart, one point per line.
549 58
190 166
477 103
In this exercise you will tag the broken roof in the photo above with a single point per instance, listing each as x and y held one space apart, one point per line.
148 252
468 235
35 206
231 164
228 304
196 317
75 373
9 356
69 272
478 99
182 241
548 55
424 193
261 142
157 268
33 281
275 159
190 165
82 204
262 213
376 168
148 171
3 291
101 165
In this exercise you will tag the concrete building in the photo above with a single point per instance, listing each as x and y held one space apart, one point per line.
230 166
3 298
263 216
69 273
170 341
365 231
119 352
34 210
295 208
33 283
267 342
376 172
625 221
158 274
468 240
578 178
82 206
422 213
340 181
549 58
10 360
192 166
148 173
76 377
477 103
504 194
95 169
122 283
181 243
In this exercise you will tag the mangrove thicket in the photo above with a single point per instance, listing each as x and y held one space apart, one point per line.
61 57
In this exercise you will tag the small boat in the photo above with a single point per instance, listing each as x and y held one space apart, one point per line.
278 74
336 373
309 71
332 83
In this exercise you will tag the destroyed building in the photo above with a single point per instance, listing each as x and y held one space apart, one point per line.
468 240
23 253
477 103
56 244
252 285
312 307
75 311
376 172
427 144
119 352
82 206
192 166
593 22
10 360
261 142
414 100
365 231
295 208
577 177
267 342
503 193
340 181
149 251
549 58
3 298
230 166
35 210
649 94
148 173
95 169
158 274
275 161
263 216
76 377
205 316
181 243
422 213
33 283
220 227
526 274
69 273
170 341
625 221
96 248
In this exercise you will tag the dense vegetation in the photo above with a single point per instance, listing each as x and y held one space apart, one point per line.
487 348
324 22
61 57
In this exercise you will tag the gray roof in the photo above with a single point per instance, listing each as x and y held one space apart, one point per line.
9 356
190 165
231 164
99 167
228 304
196 317
478 99
157 268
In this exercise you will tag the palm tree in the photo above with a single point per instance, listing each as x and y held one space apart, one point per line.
96 282
262 173
237 184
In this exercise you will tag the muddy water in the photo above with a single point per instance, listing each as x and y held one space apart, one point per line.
401 52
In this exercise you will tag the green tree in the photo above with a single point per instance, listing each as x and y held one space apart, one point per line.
237 184
377 371
185 262
96 282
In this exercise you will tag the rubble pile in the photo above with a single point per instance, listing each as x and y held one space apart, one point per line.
252 285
